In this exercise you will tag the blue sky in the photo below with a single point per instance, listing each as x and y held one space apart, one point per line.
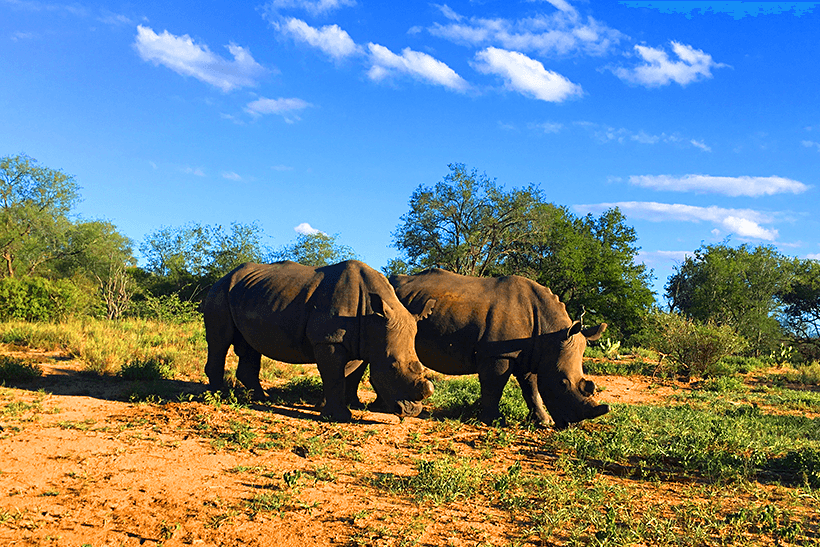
700 120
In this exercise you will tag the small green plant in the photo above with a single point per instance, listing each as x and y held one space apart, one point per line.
13 369
146 370
723 383
610 348
442 480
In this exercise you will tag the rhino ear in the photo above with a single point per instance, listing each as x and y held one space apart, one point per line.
428 309
379 306
573 330
593 333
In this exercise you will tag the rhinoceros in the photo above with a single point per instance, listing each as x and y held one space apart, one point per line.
329 316
501 326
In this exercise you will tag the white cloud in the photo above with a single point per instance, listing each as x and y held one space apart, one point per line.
744 223
524 75
183 56
331 39
729 186
548 127
420 66
313 7
448 12
813 256
230 175
700 144
658 69
194 171
306 229
286 108
561 33
282 168
811 144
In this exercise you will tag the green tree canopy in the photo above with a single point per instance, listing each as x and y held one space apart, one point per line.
589 263
735 286
317 249
465 223
190 258
34 204
801 313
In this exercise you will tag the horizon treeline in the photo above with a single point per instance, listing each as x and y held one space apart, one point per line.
54 265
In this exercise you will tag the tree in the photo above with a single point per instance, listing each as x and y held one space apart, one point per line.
34 202
190 258
589 263
735 287
465 224
801 313
316 250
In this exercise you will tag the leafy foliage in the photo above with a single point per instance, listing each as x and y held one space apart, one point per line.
39 299
589 263
469 225
465 223
188 259
694 346
315 250
801 314
735 287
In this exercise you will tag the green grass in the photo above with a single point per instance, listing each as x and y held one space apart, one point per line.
458 398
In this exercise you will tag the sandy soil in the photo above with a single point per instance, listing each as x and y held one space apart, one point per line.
81 466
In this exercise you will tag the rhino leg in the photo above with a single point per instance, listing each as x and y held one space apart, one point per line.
354 371
493 375
331 360
219 336
250 364
529 389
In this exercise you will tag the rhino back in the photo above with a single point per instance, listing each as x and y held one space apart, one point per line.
486 317
269 306
283 309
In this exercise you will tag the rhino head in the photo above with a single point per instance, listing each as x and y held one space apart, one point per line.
396 373
561 383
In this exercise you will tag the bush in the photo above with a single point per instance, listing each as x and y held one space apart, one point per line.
168 308
151 369
694 347
17 370
39 299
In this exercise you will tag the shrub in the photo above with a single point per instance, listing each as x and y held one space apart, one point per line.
168 308
695 347
17 370
151 369
39 299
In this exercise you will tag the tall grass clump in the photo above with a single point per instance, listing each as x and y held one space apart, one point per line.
106 346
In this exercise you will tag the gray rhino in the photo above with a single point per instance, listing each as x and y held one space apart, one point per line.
501 326
330 316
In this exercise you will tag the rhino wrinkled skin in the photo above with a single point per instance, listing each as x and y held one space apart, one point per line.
501 326
330 316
